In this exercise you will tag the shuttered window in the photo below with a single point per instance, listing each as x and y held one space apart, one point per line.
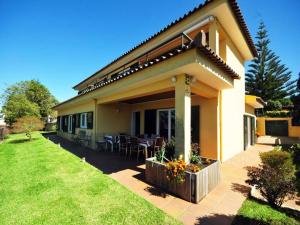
70 123
58 123
90 120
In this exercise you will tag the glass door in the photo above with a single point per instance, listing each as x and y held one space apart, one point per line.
166 123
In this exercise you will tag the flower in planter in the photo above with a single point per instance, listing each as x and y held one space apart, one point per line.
193 168
176 170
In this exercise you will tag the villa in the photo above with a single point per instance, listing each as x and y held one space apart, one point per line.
186 81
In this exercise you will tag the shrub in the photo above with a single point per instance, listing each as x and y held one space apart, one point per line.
278 114
159 155
286 102
176 170
195 158
275 177
170 149
295 152
28 124
274 105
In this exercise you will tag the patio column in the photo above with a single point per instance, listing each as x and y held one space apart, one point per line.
214 37
182 116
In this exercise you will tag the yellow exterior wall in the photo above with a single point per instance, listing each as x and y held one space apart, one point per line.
116 118
87 107
113 119
233 107
249 109
294 131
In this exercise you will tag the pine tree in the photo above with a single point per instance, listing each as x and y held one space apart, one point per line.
267 77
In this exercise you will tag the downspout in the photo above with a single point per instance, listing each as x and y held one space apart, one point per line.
201 23
221 128
95 122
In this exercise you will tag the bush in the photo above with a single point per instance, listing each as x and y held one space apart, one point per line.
278 113
170 149
275 177
27 125
295 152
167 152
286 102
195 158
274 105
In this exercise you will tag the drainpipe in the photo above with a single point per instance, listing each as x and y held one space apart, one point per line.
201 23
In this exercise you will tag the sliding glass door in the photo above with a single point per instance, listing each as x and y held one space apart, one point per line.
166 123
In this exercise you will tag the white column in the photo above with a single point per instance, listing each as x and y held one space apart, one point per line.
214 37
183 117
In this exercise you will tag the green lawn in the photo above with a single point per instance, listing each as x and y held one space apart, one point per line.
255 212
41 183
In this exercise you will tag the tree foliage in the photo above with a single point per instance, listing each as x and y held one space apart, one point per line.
28 124
275 177
296 102
267 77
27 98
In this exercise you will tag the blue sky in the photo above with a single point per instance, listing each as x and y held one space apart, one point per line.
62 42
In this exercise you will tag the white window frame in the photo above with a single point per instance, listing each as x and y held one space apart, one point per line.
83 125
169 121
70 123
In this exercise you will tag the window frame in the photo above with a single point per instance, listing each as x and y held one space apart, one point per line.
83 125
60 123
70 124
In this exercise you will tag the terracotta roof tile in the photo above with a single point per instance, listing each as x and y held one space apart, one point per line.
235 9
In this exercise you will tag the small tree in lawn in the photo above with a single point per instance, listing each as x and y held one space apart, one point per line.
28 124
275 177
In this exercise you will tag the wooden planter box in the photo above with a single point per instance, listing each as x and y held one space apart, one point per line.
196 185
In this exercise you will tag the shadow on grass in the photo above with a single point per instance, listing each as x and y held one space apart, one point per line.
244 189
23 140
244 220
229 219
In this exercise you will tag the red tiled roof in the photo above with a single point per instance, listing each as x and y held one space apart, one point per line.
235 9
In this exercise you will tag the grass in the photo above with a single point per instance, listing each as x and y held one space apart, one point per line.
41 183
255 212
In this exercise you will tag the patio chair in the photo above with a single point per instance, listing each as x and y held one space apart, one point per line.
123 144
109 141
159 142
134 147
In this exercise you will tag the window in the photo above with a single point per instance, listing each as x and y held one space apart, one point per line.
166 123
70 124
83 120
60 123
135 123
